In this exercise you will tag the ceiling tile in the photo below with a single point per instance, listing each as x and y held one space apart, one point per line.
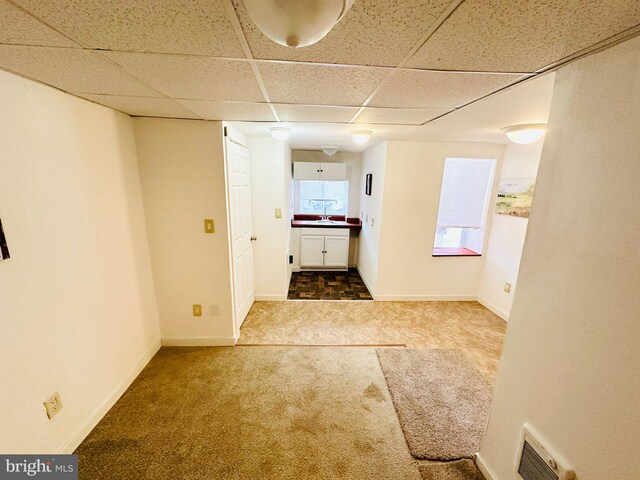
142 106
199 78
319 84
19 28
399 116
373 32
521 35
77 71
255 112
307 113
419 89
198 27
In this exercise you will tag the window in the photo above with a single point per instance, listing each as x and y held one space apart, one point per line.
322 198
466 186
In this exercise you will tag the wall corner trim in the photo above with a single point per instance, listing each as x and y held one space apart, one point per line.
484 469
199 341
85 429
501 313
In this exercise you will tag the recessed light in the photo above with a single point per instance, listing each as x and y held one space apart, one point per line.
280 133
525 133
361 136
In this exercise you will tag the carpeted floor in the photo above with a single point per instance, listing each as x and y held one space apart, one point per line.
252 413
467 326
319 285
442 401
458 470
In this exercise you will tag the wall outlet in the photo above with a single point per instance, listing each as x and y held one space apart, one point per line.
278 213
197 310
507 287
209 226
373 221
53 405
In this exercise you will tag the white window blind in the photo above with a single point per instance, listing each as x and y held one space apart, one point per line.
320 197
465 188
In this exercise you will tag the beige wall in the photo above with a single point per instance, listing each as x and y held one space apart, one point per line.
77 305
373 162
183 182
413 178
572 350
506 237
270 189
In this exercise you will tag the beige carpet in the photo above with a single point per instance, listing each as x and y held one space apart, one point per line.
441 399
252 413
459 470
467 326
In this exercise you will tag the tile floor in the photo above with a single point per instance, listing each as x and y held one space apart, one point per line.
328 286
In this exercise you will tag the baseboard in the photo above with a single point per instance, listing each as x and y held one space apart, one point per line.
484 469
199 341
426 298
373 295
501 313
81 433
271 298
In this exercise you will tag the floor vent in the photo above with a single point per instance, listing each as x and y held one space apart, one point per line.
536 462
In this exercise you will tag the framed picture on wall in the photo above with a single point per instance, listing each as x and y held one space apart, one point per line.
4 250
367 184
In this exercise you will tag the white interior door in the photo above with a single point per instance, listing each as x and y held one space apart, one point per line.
238 170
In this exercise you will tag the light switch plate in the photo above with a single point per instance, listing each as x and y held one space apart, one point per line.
197 310
278 213
209 226
507 287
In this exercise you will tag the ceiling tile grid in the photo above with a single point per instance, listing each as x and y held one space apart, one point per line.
143 106
258 112
309 84
194 27
522 35
314 113
199 78
19 28
422 89
372 32
71 70
398 116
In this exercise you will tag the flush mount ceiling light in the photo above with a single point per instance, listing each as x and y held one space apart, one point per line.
329 149
280 133
296 23
361 136
526 133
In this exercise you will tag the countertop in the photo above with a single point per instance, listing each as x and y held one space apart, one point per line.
339 221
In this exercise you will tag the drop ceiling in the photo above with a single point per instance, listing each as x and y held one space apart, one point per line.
387 63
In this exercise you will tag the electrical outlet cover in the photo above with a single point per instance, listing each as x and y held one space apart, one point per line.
53 405
197 310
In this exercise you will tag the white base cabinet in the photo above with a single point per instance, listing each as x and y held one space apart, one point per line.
324 248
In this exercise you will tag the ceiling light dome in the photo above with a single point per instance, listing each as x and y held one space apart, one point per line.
329 150
280 133
296 23
525 133
361 136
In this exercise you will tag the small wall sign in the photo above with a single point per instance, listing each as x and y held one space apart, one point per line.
367 185
4 250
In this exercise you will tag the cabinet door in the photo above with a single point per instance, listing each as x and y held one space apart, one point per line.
336 251
311 251
306 171
333 171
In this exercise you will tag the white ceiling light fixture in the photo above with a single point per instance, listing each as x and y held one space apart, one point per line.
525 133
329 150
280 133
296 23
361 136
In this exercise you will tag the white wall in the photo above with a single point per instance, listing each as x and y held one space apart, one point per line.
506 237
183 182
413 178
374 162
270 190
78 311
572 350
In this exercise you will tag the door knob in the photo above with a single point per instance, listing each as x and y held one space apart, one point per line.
253 239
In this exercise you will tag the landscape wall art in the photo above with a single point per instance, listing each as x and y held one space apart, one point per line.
515 196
